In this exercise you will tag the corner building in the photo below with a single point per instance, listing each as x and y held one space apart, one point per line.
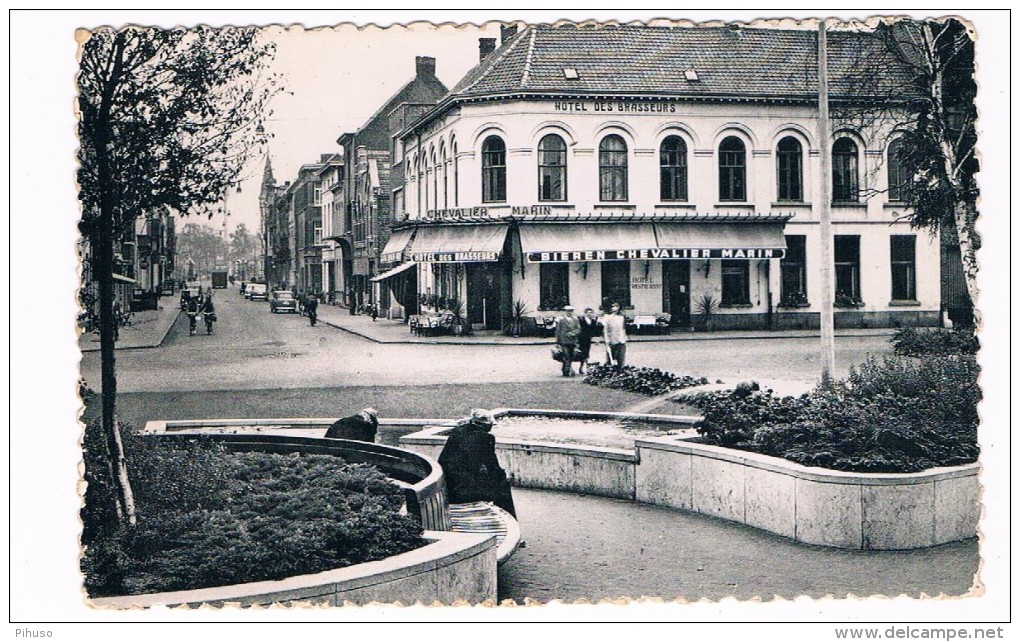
663 168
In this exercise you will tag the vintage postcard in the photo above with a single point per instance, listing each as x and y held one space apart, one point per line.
549 310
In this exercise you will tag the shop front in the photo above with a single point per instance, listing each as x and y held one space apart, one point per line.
465 268
685 272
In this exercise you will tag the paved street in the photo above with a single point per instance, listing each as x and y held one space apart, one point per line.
253 349
258 364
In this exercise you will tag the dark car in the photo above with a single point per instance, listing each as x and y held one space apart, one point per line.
282 301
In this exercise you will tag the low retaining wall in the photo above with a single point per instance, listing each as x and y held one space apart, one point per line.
810 505
451 567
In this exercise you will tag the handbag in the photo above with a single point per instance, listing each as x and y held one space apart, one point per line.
557 355
212 316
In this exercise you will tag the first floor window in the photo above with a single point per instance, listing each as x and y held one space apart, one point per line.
673 169
732 170
493 170
902 258
552 169
553 285
789 170
897 174
794 271
847 251
735 283
615 283
844 171
612 169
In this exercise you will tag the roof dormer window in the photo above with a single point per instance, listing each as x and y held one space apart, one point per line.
691 75
570 73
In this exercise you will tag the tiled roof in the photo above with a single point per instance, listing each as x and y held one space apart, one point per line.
637 59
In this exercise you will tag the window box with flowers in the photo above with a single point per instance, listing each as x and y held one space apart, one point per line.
844 300
794 300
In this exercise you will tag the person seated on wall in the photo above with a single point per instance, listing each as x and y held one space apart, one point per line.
472 472
359 427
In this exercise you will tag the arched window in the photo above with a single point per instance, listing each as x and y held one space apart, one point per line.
435 182
493 170
789 170
552 169
897 174
612 169
445 181
420 204
844 170
673 169
732 170
456 197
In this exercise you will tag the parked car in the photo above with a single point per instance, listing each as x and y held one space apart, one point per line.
188 294
282 301
256 292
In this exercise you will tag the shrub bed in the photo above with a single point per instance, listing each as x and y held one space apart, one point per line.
211 517
910 342
647 381
895 416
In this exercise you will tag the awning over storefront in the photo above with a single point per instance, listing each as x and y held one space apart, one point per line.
458 243
721 240
543 243
395 271
397 245
120 278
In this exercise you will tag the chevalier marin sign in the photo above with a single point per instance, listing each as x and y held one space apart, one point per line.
655 253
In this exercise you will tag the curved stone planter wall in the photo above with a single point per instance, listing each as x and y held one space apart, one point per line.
451 567
810 505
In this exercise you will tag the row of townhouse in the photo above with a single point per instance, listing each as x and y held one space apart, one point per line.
673 170
144 261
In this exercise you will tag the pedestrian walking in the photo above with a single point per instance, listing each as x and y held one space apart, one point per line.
472 472
589 329
312 308
117 314
614 333
568 330
360 427
374 309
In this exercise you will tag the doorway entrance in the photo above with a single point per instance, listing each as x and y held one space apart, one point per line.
484 294
676 291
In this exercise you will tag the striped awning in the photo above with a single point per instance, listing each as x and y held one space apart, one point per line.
396 246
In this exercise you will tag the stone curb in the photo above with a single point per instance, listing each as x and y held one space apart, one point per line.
144 346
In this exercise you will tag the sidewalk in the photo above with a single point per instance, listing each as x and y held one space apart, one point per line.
389 331
147 330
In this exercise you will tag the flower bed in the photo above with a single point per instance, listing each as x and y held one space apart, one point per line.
910 342
897 416
647 381
208 516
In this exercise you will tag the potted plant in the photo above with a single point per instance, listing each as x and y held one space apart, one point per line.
517 314
706 306
458 310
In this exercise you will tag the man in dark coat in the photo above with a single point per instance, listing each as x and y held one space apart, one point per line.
359 427
472 472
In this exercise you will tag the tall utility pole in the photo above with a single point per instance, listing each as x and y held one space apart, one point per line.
825 212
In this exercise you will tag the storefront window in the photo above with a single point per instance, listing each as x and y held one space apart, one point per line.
902 258
554 285
612 169
794 272
615 283
789 168
552 169
732 170
896 174
673 169
847 250
844 171
493 170
735 282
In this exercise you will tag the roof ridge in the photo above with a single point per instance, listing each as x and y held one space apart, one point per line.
527 59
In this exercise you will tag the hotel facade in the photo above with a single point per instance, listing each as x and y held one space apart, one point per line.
672 170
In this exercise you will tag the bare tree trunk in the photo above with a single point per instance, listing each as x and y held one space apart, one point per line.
117 465
963 218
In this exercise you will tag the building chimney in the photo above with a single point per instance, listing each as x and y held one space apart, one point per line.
425 66
485 47
506 32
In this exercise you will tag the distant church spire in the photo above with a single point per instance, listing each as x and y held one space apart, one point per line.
267 173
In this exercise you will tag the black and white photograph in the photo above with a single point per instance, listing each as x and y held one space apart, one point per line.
494 316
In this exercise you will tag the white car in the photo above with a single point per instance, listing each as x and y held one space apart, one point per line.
256 292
